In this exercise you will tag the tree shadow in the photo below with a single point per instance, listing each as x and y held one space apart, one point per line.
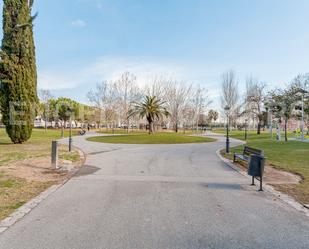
229 186
86 170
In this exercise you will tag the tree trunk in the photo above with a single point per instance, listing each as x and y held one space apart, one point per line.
62 130
285 130
45 119
259 128
150 127
128 125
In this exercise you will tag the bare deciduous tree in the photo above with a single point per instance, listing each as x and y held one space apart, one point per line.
128 93
184 102
105 97
176 95
156 87
45 96
254 101
230 95
200 102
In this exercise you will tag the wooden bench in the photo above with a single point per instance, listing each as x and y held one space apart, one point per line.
247 152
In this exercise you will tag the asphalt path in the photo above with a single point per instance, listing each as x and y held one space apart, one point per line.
158 196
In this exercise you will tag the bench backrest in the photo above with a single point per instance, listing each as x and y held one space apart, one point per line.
249 151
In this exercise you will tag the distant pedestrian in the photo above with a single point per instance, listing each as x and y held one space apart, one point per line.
88 127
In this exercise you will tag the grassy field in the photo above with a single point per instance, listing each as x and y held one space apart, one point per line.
121 131
291 156
241 134
137 131
14 191
37 146
157 138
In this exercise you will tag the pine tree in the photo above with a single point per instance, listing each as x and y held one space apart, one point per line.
18 76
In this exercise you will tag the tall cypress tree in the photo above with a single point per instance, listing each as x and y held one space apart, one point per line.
18 76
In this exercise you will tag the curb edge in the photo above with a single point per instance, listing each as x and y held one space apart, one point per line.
282 196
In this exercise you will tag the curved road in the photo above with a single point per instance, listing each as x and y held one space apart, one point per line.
158 196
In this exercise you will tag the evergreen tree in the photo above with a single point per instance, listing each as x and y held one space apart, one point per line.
18 85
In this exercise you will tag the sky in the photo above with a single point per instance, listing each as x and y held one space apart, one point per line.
80 43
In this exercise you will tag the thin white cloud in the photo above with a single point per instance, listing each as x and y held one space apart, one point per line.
78 23
109 68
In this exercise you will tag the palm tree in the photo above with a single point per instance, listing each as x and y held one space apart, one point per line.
150 107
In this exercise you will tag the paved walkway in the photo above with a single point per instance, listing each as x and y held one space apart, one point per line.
158 196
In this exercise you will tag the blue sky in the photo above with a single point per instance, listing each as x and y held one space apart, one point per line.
82 42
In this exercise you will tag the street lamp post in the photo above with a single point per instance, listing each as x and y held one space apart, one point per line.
227 147
70 135
302 118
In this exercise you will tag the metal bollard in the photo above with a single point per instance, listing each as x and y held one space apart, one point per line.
54 155
70 143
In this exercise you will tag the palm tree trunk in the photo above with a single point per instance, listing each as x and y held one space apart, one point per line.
150 127
62 129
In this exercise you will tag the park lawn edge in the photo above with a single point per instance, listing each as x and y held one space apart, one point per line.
298 191
109 139
16 191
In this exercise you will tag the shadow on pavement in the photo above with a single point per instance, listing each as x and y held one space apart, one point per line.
86 170
223 186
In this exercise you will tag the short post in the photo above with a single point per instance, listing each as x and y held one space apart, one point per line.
227 146
54 155
70 136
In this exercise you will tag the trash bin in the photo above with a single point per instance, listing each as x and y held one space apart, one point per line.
256 165
256 168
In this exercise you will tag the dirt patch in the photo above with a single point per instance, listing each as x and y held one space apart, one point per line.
40 169
274 176
17 192
24 179
301 193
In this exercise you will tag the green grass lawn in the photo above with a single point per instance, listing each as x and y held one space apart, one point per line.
292 156
137 131
37 146
14 192
157 138
121 131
